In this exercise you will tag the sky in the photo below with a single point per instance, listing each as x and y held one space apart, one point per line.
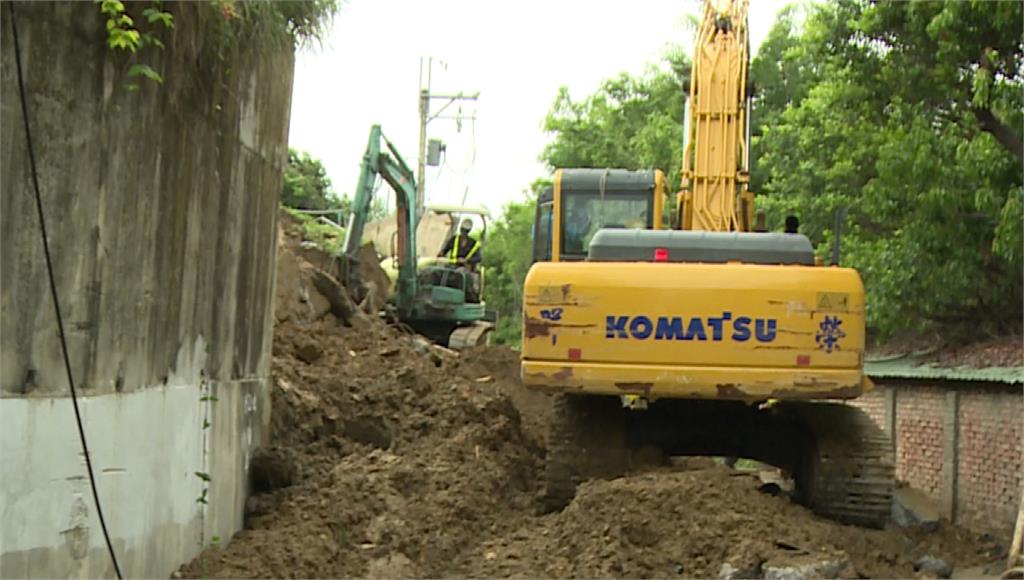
515 54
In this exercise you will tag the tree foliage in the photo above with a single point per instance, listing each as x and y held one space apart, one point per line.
630 122
507 258
902 113
306 185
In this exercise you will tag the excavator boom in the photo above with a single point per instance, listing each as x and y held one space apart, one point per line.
716 157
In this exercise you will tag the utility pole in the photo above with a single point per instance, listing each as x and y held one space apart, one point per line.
425 117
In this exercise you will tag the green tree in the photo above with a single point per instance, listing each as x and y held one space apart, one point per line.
507 259
781 73
901 112
306 185
630 122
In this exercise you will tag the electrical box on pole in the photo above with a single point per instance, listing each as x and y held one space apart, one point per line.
434 149
432 157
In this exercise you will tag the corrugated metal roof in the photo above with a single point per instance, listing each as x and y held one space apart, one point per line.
910 367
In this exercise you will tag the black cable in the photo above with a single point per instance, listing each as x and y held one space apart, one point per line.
53 291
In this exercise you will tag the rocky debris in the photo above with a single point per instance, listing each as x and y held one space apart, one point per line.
375 281
932 565
708 522
729 572
911 507
835 568
993 570
392 566
342 306
308 351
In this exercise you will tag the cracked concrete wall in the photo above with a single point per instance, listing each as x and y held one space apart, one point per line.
162 209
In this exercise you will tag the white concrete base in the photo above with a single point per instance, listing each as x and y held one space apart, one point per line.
146 447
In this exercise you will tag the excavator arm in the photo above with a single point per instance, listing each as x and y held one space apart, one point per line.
386 163
716 157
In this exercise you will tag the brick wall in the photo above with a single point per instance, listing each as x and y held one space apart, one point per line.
989 462
973 431
873 403
919 440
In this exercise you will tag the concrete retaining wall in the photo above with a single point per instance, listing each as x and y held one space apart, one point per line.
162 207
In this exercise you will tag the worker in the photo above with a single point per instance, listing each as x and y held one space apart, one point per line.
792 224
462 249
463 252
577 231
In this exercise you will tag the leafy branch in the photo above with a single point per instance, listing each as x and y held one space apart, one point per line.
123 35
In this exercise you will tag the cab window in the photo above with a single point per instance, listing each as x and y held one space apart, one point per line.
542 225
583 214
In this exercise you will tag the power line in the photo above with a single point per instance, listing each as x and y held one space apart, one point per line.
472 159
53 291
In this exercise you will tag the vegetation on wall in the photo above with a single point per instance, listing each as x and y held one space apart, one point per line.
124 34
324 233
135 28
905 114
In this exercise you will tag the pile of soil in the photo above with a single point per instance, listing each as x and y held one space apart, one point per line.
390 457
700 522
400 453
1007 351
1002 351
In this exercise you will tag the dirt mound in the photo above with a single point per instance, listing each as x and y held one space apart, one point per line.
393 458
402 453
1006 351
501 365
700 523
1002 351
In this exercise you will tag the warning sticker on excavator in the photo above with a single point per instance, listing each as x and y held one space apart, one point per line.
833 302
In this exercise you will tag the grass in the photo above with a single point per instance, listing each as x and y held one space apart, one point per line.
328 237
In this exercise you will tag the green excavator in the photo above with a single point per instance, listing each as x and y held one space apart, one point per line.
434 299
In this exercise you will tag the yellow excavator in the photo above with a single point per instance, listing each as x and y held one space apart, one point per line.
705 338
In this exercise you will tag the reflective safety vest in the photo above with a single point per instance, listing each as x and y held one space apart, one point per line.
453 255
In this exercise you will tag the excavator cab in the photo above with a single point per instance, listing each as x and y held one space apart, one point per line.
582 202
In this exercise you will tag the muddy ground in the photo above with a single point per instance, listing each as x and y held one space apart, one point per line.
391 458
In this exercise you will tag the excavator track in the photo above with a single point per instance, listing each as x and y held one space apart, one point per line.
476 334
586 439
841 460
848 472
